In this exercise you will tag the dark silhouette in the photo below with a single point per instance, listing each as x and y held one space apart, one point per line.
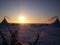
3 39
35 42
56 23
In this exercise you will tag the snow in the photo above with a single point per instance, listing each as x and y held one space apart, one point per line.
48 34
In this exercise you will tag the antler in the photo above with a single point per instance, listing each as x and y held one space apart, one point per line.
35 40
4 40
13 37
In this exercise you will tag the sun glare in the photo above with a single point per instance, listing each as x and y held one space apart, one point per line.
22 19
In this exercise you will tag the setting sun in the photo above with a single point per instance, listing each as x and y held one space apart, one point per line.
22 19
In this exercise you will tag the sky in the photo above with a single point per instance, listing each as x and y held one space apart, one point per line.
35 11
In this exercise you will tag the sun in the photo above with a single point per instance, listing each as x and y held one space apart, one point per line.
22 19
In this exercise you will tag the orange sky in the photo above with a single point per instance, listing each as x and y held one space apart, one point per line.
27 20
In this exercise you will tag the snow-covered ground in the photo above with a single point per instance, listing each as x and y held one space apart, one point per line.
48 34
